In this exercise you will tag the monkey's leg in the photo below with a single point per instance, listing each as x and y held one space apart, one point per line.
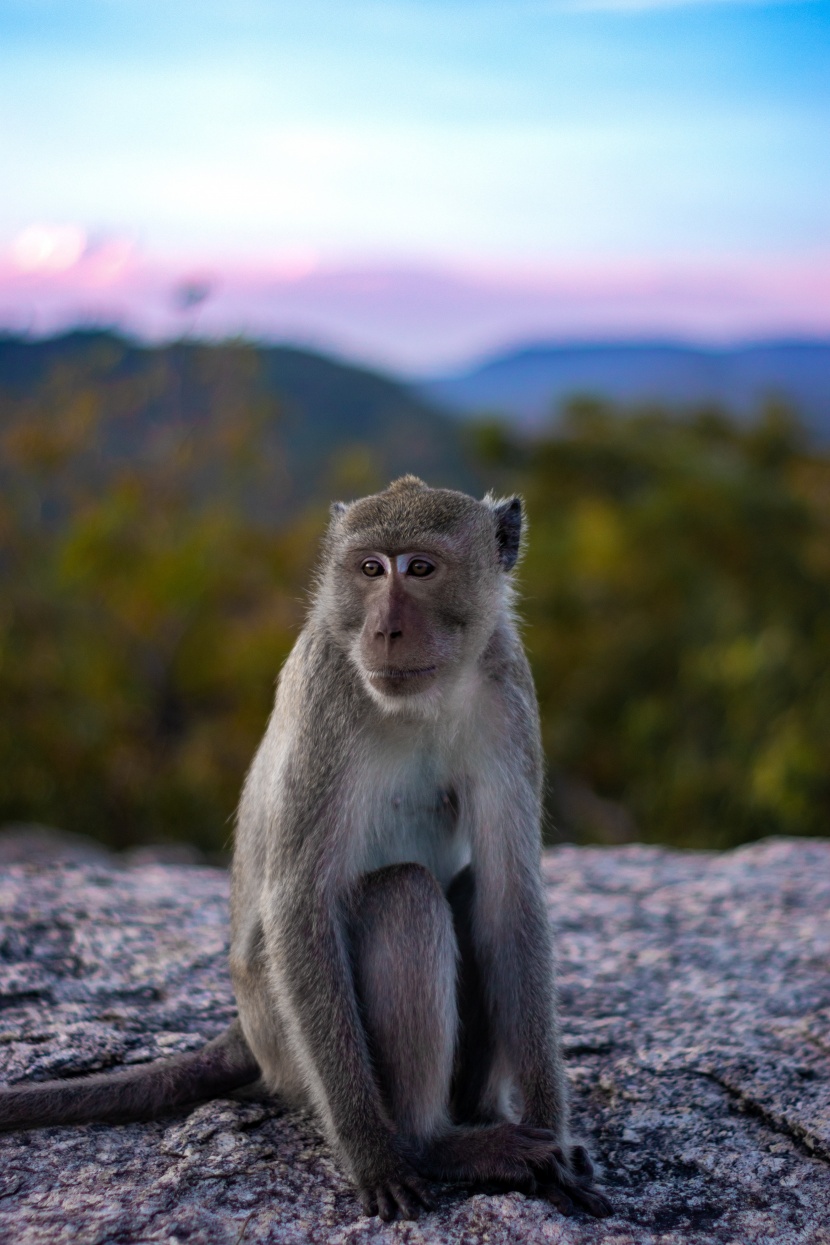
404 957
404 953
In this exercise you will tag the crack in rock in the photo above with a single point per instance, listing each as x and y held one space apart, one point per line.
797 1132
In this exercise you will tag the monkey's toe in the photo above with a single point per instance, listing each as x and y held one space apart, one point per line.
565 1181
387 1206
568 1196
368 1202
396 1200
558 1198
591 1201
549 1164
411 1203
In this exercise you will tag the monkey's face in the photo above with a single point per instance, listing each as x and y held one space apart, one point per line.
412 629
413 590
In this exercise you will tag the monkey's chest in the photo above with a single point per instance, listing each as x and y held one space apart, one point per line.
420 824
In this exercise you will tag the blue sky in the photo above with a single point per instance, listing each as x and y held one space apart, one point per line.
517 135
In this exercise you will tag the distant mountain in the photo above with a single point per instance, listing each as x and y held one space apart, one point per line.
323 423
529 384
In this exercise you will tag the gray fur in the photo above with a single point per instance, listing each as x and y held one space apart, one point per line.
370 793
410 1020
388 843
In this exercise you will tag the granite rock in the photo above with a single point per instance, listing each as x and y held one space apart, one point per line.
695 992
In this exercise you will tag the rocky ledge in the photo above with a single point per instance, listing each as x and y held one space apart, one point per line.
696 1007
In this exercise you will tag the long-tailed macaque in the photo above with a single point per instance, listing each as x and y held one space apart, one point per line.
390 951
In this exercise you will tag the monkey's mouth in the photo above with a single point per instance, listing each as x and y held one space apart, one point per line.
396 674
397 681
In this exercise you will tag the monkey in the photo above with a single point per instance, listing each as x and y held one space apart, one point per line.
391 953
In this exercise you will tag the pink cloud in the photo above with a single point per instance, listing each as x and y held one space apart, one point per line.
415 318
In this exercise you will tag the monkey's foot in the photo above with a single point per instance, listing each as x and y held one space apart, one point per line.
401 1195
566 1183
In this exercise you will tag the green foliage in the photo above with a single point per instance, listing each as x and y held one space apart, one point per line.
144 617
676 590
677 596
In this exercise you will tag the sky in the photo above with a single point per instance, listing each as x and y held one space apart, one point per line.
414 182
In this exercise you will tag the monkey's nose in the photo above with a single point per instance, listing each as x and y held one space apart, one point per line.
387 634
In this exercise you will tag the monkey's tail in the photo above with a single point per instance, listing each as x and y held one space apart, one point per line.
138 1093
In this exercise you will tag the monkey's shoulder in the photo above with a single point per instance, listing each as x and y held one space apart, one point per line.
505 670
317 683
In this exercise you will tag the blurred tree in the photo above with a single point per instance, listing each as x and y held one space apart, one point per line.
676 590
677 595
146 609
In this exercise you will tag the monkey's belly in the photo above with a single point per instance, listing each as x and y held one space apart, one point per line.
421 830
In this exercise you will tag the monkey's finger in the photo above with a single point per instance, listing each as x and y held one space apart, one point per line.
368 1202
557 1197
557 1154
552 1169
387 1207
408 1201
418 1187
591 1201
581 1163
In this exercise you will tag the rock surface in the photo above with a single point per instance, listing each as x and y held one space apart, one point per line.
696 999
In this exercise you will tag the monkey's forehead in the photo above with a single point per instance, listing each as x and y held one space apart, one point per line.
393 545
396 520
455 543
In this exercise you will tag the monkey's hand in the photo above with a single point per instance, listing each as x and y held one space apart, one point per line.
391 1188
503 1156
565 1180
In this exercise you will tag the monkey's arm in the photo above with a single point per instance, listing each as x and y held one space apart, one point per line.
516 962
511 926
516 956
513 936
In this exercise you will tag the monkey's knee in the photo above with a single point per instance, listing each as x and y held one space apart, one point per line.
402 933
405 897
404 955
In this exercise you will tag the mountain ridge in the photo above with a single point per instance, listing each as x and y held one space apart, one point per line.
318 412
528 382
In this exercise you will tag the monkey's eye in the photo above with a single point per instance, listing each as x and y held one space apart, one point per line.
372 568
420 568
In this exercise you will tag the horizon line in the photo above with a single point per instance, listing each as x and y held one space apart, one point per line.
516 348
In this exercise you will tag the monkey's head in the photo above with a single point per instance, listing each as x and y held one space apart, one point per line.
413 584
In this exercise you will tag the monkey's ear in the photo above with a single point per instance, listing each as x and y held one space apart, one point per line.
337 509
508 515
